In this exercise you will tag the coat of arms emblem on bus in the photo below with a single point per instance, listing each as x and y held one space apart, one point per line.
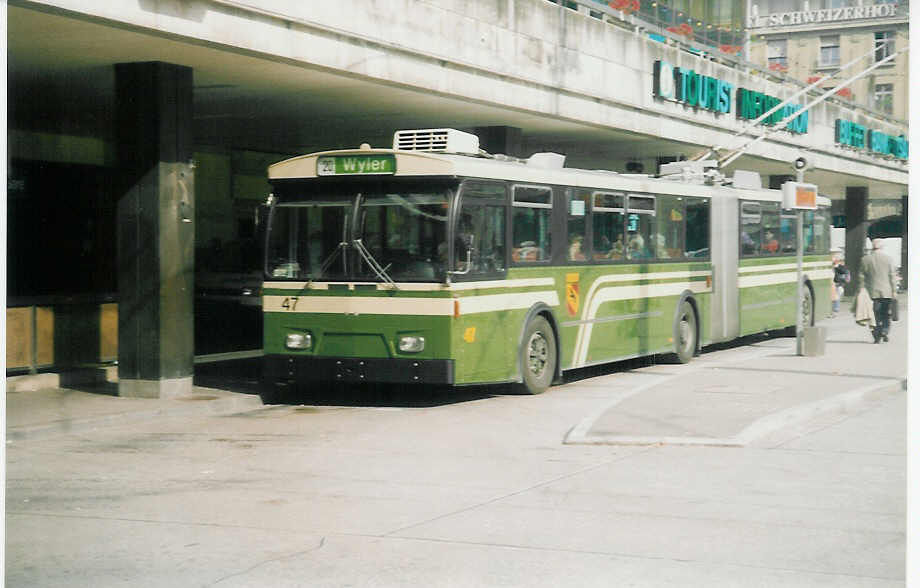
572 299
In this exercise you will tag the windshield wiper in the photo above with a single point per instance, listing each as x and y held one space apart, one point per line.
373 263
328 262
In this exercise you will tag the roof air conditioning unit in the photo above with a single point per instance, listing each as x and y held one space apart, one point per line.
436 140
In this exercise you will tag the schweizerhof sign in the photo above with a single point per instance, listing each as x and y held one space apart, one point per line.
800 17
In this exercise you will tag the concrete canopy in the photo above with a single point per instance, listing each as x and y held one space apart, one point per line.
61 81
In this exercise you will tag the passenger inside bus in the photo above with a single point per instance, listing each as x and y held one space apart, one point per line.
770 244
637 249
576 253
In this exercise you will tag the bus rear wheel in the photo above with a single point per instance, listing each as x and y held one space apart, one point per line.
685 333
537 357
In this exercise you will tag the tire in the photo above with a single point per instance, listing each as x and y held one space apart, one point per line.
537 357
686 332
808 307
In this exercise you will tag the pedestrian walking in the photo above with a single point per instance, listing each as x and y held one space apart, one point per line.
878 276
841 279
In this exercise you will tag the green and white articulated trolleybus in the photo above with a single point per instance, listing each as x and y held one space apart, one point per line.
436 263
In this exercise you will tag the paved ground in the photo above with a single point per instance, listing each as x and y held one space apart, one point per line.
749 466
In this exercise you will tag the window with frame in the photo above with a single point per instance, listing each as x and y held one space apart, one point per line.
608 215
577 207
697 228
884 44
883 98
531 219
776 54
480 234
816 231
830 50
640 227
750 229
787 229
669 237
769 225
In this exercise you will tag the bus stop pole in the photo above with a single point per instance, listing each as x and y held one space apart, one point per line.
799 287
799 290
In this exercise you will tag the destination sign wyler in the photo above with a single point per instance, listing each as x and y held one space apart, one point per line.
347 165
685 86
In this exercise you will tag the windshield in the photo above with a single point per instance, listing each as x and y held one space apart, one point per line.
340 232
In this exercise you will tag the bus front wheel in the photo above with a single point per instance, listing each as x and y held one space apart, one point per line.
685 333
537 356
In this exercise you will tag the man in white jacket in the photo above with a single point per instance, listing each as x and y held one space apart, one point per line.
877 274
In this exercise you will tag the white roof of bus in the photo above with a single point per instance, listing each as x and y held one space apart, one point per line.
423 163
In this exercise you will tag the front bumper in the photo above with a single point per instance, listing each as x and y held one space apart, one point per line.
304 369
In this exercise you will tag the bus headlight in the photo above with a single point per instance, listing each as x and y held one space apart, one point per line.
299 341
411 343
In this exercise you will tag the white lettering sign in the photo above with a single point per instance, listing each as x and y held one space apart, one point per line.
826 15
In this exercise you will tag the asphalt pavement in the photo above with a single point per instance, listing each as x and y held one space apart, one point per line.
759 386
749 466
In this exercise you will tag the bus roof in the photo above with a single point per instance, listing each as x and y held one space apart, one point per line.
424 163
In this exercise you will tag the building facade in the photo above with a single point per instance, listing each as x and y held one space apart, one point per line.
808 40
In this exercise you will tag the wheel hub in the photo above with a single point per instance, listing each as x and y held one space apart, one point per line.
537 354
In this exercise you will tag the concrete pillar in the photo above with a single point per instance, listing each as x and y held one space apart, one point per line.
501 139
153 126
857 211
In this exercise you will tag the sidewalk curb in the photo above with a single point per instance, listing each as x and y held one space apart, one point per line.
199 405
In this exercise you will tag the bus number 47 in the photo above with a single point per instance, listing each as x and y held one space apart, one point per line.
289 303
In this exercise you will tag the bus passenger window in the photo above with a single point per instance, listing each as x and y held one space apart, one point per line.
669 237
770 225
787 232
697 228
607 220
750 228
480 228
530 224
640 226
577 209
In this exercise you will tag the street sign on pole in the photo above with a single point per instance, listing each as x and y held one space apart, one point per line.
800 197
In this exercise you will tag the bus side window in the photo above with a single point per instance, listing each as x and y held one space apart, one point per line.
640 227
669 237
530 223
607 224
770 228
787 232
697 228
577 210
750 228
481 227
